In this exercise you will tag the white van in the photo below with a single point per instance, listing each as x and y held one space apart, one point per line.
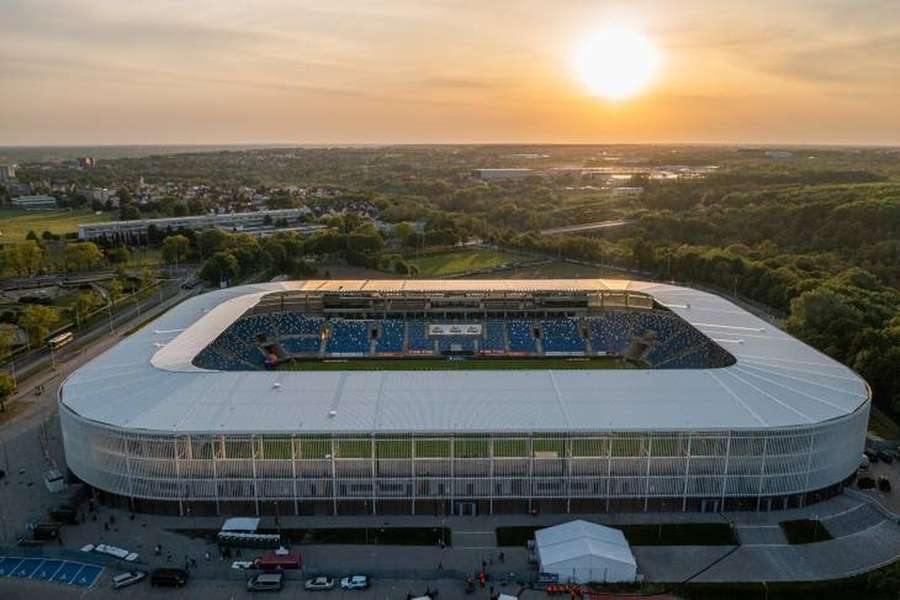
265 582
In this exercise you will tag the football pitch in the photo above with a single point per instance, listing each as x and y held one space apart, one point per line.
457 364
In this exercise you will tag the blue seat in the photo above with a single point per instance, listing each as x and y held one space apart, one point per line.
419 342
390 336
301 345
561 335
521 336
348 337
494 337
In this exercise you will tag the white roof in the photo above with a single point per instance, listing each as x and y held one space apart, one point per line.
578 539
147 381
241 524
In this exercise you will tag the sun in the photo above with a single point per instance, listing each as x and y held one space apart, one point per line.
616 62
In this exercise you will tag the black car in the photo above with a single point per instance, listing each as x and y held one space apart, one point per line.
865 483
871 454
884 484
64 514
46 531
169 578
886 456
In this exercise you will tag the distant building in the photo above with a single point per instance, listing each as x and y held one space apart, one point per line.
39 202
628 190
86 162
779 154
500 174
101 195
7 172
137 230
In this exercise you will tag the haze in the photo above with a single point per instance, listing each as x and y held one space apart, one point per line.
95 72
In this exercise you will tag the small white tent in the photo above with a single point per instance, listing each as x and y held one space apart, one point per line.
580 551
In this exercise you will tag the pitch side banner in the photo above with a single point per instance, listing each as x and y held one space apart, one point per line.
471 329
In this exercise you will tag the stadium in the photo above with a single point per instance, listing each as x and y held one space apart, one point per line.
451 397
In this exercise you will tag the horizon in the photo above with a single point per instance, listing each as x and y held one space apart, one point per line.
455 72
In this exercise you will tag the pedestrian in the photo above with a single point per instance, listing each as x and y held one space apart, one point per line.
483 564
441 566
194 563
207 556
106 527
502 557
169 557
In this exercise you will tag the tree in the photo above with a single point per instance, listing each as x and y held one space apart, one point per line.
7 387
212 240
129 212
6 340
119 255
82 256
24 259
222 266
85 303
404 232
116 290
37 320
175 248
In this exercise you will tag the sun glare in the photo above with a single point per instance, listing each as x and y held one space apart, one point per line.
616 62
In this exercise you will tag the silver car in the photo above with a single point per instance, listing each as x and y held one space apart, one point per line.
319 584
125 579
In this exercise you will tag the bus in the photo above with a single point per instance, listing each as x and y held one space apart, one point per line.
58 341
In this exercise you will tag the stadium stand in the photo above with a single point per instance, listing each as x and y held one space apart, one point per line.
561 335
521 337
295 324
456 344
667 341
348 337
419 342
301 345
495 337
390 336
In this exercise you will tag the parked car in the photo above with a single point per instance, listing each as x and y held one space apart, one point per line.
355 582
265 582
129 578
319 584
886 456
884 484
871 454
169 578
865 483
64 514
46 531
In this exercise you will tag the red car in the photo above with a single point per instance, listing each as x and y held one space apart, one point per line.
274 562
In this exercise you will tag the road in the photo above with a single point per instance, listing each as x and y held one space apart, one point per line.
586 227
35 361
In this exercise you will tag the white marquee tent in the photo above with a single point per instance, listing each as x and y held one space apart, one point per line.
580 551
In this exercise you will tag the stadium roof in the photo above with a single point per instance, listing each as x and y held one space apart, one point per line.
147 381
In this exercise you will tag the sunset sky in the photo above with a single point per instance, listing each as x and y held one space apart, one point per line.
223 71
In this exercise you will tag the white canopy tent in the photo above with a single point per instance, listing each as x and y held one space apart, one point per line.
580 551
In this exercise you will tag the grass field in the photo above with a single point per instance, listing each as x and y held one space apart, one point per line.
442 364
557 270
15 224
463 261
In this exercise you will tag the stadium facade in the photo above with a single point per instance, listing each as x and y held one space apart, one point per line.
189 415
